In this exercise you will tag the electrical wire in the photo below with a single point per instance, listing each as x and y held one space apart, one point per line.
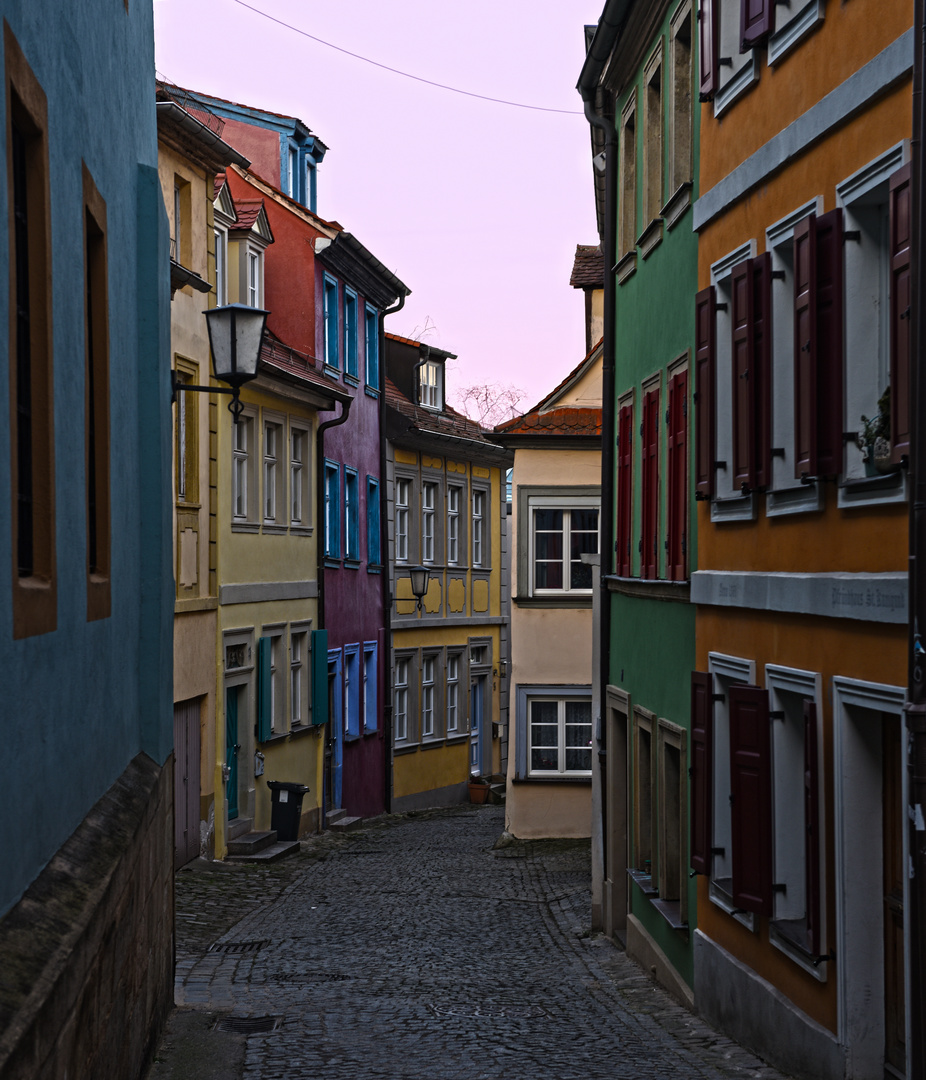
405 74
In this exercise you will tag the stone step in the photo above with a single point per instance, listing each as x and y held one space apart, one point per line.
279 850
496 793
334 815
238 827
252 842
345 824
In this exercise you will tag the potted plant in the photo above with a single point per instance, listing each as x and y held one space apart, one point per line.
478 789
874 437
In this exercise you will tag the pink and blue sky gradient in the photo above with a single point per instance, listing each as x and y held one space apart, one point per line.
477 206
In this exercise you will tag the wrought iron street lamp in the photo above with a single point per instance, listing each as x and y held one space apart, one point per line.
235 335
419 577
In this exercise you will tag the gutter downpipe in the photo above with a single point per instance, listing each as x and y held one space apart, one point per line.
320 501
386 562
608 432
915 707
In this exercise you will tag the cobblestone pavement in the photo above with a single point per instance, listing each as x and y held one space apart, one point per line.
415 949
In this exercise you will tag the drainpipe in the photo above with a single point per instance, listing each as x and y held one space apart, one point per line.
608 436
384 555
916 692
320 501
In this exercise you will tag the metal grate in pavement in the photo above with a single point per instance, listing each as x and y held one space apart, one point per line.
237 946
249 1025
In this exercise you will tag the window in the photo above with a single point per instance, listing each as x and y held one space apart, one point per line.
374 540
649 525
221 267
370 686
400 695
298 678
643 794
729 32
623 553
680 94
243 485
352 688
335 689
351 515
790 25
627 182
96 323
428 503
454 502
269 686
273 472
560 537
350 333
331 323
371 342
479 504
428 679
332 510
182 448
751 374
255 283
677 477
299 476
672 822
430 385
181 240
453 694
30 349
652 144
556 732
403 491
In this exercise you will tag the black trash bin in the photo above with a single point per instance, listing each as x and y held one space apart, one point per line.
286 808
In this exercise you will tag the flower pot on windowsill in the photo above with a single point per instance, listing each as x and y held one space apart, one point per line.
478 790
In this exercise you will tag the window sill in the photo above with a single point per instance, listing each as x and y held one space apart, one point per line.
873 490
275 737
405 748
720 895
431 742
790 937
671 911
800 499
581 780
298 730
371 391
455 739
736 85
644 883
675 208
369 731
301 530
735 508
272 529
332 562
351 380
564 601
245 527
182 504
331 372
650 238
374 568
626 266
352 564
795 30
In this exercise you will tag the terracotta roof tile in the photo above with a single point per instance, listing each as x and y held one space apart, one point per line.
555 422
448 422
248 211
588 267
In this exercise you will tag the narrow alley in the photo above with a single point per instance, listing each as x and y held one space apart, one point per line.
419 947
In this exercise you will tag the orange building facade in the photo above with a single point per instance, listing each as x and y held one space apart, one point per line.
802 420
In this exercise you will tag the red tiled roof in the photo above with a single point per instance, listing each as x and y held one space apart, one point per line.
588 267
448 422
248 211
566 421
217 185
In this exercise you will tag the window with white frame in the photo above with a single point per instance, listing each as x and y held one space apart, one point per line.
428 690
299 476
371 342
560 536
428 516
350 333
430 385
729 33
400 699
370 686
454 503
332 510
453 694
331 323
479 511
221 267
351 515
255 281
555 732
403 494
274 484
244 496
298 678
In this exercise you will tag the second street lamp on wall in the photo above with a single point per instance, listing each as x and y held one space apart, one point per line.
235 335
419 577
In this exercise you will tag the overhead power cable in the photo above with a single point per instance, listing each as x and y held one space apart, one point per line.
404 74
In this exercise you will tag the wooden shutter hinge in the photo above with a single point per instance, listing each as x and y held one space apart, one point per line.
778 451
817 960
780 887
718 851
720 465
778 714
778 275
905 314
685 408
718 697
721 307
852 234
701 496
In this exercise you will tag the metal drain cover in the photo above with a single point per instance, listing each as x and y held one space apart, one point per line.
249 1025
237 946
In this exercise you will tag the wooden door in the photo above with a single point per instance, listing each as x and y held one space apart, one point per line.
186 781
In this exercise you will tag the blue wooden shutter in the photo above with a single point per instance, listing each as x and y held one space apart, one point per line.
319 677
264 696
702 773
751 795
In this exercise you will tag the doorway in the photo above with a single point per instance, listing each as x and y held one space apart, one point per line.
186 780
232 749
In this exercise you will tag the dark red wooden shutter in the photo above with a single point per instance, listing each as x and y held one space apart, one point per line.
702 731
751 794
900 236
624 530
704 395
709 33
811 828
829 309
650 493
677 497
762 366
744 405
755 22
805 348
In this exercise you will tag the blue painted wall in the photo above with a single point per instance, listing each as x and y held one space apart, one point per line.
82 701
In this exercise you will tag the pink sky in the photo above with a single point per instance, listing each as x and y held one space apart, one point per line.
477 207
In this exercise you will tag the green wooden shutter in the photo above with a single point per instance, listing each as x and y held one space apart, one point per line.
264 699
319 677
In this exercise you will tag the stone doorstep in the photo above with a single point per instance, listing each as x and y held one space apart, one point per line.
238 827
252 842
334 815
278 849
345 824
496 793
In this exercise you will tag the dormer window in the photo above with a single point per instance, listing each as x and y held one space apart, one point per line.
255 279
430 385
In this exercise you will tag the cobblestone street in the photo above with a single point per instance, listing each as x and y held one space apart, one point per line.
414 949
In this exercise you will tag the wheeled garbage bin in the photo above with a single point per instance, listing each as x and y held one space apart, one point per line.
286 808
